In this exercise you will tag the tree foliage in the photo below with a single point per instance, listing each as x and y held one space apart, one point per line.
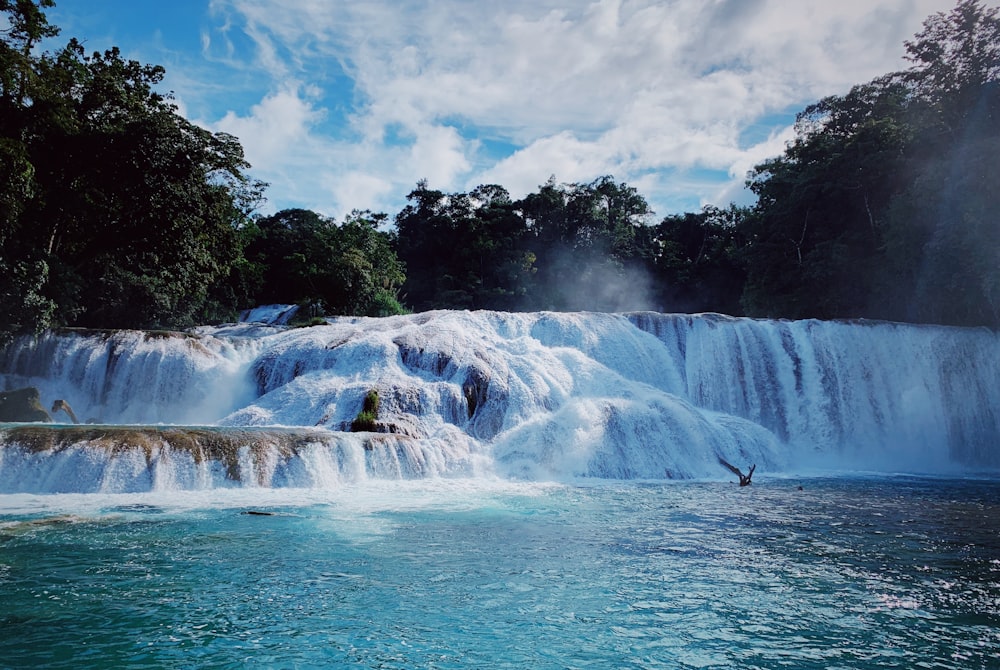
116 210
584 238
463 250
695 259
348 268
955 56
567 246
885 204
815 236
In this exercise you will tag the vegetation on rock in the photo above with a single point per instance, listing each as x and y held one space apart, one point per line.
366 419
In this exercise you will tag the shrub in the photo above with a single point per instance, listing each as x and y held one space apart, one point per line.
366 419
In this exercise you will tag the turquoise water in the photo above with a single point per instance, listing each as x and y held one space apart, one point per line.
845 573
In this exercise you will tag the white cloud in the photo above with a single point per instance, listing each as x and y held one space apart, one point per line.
734 190
439 153
357 187
623 87
563 155
276 127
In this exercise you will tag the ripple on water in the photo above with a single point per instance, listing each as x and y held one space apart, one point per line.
855 573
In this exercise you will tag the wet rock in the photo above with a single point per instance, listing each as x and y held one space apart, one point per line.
22 405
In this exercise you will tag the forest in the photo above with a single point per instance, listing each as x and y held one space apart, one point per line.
117 212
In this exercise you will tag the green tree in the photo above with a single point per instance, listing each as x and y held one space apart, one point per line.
695 258
289 247
814 240
500 268
141 207
27 26
427 239
943 235
955 57
584 239
463 250
884 205
23 270
128 214
370 270
307 258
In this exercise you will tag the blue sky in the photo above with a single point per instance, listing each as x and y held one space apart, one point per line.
344 104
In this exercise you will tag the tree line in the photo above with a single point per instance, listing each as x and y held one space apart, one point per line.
118 212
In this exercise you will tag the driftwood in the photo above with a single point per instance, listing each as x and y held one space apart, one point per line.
63 406
744 479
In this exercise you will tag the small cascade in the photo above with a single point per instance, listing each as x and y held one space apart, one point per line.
537 396
128 459
272 315
133 376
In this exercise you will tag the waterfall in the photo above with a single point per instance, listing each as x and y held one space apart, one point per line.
536 396
127 459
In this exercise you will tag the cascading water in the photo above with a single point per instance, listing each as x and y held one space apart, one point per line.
538 396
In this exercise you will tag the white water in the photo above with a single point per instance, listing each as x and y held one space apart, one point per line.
538 396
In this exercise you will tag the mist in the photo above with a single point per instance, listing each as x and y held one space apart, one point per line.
594 285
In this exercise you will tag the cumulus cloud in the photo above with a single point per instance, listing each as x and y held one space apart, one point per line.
655 93
278 125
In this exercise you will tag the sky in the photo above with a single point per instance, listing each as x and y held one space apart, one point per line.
346 104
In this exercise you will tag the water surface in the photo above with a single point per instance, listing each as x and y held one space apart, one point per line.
844 573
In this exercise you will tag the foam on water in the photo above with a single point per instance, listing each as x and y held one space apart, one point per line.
540 396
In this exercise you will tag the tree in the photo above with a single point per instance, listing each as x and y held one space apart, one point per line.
584 239
370 270
142 207
695 260
129 214
814 238
27 26
501 269
884 204
426 239
954 57
942 233
23 272
463 250
347 269
943 236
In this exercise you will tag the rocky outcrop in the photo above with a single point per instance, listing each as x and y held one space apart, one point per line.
22 405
